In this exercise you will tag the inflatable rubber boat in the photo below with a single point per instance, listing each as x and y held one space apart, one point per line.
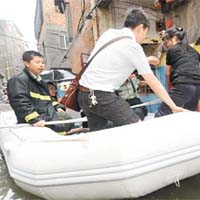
123 162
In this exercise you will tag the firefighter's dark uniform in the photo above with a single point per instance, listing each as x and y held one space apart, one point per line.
31 101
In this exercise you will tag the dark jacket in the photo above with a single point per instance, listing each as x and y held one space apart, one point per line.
30 100
184 61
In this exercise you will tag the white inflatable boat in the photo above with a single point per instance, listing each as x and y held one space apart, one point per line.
123 162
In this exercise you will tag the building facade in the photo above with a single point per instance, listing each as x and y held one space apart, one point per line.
12 47
92 17
67 30
50 27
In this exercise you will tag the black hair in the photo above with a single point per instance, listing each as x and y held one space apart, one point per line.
51 83
135 17
178 32
28 55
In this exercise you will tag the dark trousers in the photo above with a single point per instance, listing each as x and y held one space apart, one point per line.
140 111
183 95
110 107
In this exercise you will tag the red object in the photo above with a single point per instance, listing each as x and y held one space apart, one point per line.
70 100
169 85
169 23
169 1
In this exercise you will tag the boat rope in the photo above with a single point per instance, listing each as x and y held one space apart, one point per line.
177 182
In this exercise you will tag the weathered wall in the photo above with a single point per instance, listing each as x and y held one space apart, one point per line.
119 10
50 17
53 31
185 15
188 16
103 18
12 47
84 41
52 14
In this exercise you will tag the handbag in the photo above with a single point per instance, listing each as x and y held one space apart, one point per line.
70 99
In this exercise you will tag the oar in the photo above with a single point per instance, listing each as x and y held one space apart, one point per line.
82 119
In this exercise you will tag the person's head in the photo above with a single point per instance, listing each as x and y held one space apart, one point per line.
138 22
33 61
173 36
52 89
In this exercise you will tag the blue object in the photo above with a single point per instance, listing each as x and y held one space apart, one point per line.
160 74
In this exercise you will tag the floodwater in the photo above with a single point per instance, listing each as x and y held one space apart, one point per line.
189 188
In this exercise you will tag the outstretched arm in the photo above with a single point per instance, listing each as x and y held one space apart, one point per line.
160 91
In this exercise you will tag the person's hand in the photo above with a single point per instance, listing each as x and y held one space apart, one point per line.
77 130
41 123
153 60
179 109
60 110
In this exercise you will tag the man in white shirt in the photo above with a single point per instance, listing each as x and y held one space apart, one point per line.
109 70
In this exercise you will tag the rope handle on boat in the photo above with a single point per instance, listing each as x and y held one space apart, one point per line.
177 182
82 119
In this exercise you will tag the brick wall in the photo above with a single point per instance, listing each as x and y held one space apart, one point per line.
52 14
111 17
51 17
53 28
84 41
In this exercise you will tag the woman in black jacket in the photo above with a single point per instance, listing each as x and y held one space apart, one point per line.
182 70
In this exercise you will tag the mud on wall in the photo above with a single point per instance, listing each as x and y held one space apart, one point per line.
119 10
187 16
193 22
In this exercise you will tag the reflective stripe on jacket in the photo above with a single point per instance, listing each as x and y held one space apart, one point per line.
30 100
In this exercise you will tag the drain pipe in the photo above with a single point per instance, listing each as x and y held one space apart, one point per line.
94 18
69 20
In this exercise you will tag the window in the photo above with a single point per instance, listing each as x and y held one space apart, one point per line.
63 41
104 3
84 59
59 6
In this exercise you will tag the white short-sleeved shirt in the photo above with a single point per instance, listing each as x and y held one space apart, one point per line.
113 65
